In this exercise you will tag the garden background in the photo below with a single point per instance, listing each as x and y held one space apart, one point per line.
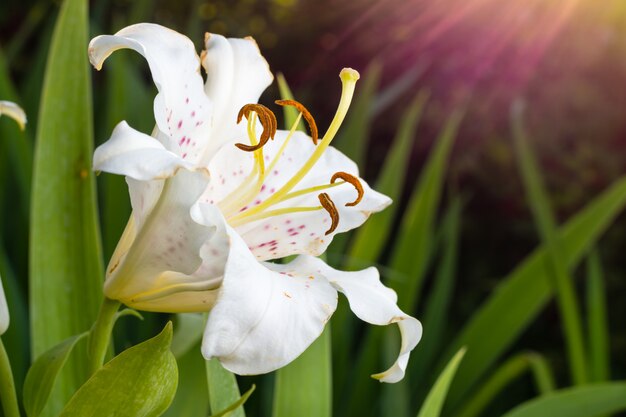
499 128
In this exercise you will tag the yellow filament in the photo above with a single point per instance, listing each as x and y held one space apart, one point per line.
349 78
271 213
234 200
311 190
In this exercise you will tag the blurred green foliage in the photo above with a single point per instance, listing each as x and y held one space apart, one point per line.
446 157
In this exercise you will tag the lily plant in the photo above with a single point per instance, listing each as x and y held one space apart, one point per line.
218 192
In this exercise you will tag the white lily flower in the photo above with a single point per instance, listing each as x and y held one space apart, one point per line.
210 211
13 111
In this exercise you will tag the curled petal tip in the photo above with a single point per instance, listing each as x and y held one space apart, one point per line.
349 74
13 111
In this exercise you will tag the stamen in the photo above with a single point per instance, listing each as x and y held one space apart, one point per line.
268 121
352 180
349 78
330 207
272 213
305 113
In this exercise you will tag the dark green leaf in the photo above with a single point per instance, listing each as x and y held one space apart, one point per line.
139 382
586 401
435 399
223 388
304 387
65 257
557 269
43 374
524 293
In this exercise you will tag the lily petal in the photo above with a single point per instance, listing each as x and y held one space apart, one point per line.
136 155
267 314
237 74
294 232
13 111
165 252
4 311
182 110
374 303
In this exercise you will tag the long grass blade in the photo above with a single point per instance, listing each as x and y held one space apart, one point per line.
223 388
522 295
599 352
370 239
434 401
435 318
585 401
558 273
192 397
65 258
304 387
409 260
508 372
412 250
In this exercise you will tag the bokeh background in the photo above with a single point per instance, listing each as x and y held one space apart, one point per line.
565 59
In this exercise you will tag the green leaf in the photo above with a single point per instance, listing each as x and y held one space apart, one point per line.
435 317
522 295
223 389
585 401
139 382
370 239
65 257
43 373
304 387
599 351
228 412
437 395
192 396
509 371
412 249
558 273
290 113
187 332
409 259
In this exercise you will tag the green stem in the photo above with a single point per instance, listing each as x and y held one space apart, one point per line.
7 386
100 335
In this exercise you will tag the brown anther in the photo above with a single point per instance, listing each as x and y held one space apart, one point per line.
268 121
305 113
352 180
330 207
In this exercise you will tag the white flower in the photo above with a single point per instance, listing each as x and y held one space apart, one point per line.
16 113
214 200
13 111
